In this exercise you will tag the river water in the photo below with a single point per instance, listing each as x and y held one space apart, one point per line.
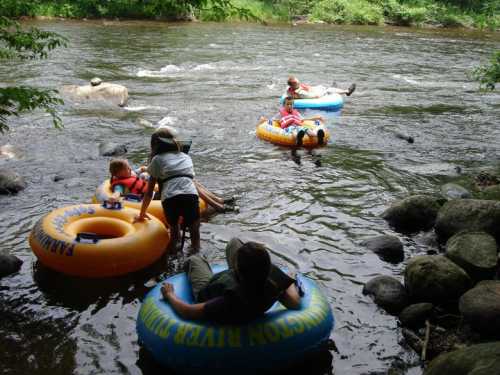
212 82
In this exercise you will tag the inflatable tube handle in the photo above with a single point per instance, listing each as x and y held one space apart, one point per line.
132 197
112 205
316 122
87 237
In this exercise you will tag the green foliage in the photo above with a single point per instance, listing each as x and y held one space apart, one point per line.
348 11
15 100
222 10
30 44
488 75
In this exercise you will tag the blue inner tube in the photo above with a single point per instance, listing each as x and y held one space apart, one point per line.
279 338
332 102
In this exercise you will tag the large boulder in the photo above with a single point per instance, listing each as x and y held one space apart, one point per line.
11 182
480 359
414 213
468 214
415 315
481 307
491 193
389 248
435 278
98 90
475 252
9 264
388 293
454 191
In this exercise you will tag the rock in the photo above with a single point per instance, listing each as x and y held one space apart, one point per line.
58 178
11 182
416 314
435 278
475 252
144 123
491 193
414 213
9 264
112 149
468 214
454 191
111 92
96 81
9 152
389 248
481 307
388 293
480 359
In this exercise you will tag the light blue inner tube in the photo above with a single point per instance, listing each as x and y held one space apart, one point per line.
279 338
332 102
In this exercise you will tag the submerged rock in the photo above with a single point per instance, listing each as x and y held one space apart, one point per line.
414 213
389 248
435 278
11 182
468 214
9 264
480 359
112 149
481 307
387 292
475 252
415 315
454 191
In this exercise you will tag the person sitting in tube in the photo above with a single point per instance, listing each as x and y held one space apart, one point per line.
299 90
291 121
243 292
124 180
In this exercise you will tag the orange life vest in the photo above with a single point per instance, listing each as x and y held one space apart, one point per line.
134 184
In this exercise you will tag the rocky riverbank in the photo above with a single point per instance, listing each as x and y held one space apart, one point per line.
449 302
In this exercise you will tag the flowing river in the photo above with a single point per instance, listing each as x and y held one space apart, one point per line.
212 82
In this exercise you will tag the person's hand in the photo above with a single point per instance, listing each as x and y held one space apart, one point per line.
167 290
140 218
114 199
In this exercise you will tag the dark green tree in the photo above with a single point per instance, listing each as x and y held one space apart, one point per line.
16 43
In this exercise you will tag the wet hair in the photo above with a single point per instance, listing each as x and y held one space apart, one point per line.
117 165
292 80
163 141
253 265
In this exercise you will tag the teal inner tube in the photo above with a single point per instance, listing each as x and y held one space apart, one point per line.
277 339
332 102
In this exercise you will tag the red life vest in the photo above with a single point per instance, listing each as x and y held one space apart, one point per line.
134 184
291 90
289 118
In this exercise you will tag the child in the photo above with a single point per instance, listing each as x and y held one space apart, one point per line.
291 120
126 181
174 171
299 90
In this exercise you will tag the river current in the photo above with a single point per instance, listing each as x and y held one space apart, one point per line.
212 82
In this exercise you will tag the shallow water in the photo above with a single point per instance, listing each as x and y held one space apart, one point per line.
212 82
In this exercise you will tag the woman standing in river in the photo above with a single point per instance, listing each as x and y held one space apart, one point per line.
174 172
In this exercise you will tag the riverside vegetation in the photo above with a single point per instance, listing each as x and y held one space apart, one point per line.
449 13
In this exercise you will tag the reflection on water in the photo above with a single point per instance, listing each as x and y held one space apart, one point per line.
213 82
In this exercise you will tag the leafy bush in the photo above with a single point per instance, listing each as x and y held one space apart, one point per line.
346 11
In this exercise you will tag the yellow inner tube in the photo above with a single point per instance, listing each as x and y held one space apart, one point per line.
119 246
274 134
103 193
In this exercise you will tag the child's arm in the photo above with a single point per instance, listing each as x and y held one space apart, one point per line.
118 191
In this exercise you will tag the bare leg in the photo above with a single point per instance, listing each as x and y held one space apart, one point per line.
194 229
207 192
174 237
